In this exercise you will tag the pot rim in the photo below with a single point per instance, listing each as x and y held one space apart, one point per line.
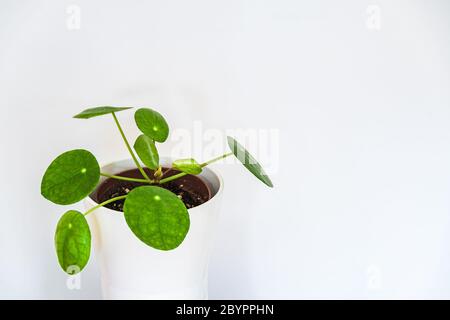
90 202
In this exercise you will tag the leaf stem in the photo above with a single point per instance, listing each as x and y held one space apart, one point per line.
204 164
104 203
174 177
165 172
124 178
129 149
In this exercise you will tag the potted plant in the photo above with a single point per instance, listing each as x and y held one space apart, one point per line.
167 204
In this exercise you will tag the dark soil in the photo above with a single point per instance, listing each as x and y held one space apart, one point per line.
190 189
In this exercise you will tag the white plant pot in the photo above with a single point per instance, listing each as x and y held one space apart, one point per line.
132 270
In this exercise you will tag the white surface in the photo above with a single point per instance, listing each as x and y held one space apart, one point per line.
155 274
360 207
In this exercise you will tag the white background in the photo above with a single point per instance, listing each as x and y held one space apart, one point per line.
360 207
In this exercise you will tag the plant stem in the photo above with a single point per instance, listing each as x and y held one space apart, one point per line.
165 172
124 178
204 164
130 150
176 176
104 203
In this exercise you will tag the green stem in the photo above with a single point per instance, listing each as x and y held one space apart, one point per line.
124 178
104 203
204 164
176 176
144 174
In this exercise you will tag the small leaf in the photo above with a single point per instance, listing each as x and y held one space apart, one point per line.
187 165
70 177
157 217
152 124
146 150
248 161
98 111
73 242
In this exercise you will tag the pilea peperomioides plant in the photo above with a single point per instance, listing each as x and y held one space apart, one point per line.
154 214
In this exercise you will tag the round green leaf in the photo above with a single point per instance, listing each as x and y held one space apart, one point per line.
187 165
73 242
248 161
152 124
70 177
98 111
146 150
157 217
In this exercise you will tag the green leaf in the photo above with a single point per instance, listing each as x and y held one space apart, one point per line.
248 161
70 177
146 150
152 124
157 217
73 242
187 165
98 111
